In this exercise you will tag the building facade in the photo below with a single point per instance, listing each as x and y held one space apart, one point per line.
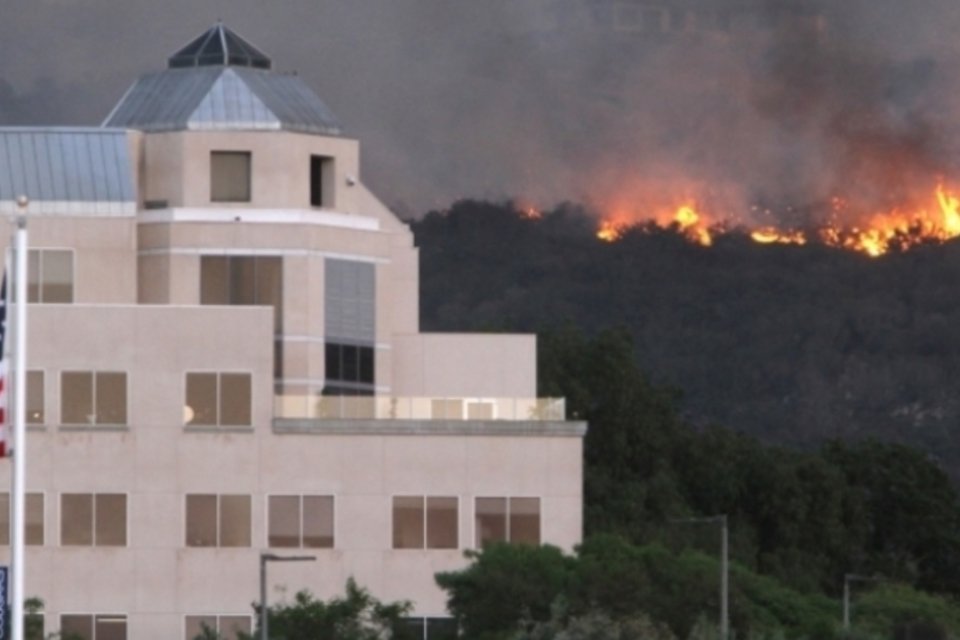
225 360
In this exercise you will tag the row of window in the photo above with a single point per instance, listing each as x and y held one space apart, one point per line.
293 521
227 627
100 398
231 173
255 280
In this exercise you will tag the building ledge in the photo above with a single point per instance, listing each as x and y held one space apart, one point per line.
501 428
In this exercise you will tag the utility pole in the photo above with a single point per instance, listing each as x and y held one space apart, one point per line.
724 566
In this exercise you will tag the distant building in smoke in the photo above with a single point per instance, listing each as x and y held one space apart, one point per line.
225 358
679 17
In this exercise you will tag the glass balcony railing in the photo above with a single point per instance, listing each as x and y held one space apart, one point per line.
313 407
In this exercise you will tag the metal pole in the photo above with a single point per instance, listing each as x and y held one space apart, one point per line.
264 558
19 435
263 597
724 567
724 580
846 602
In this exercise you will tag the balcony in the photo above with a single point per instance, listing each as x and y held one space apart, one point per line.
314 407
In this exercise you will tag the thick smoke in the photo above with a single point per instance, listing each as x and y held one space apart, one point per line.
787 107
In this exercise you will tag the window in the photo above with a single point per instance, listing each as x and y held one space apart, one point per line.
93 519
351 364
93 627
218 399
34 624
246 280
429 629
218 520
507 520
228 627
93 397
50 276
350 327
34 516
35 398
301 522
425 522
230 176
321 181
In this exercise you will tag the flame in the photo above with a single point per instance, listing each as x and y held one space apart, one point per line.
530 212
772 235
897 229
611 230
691 225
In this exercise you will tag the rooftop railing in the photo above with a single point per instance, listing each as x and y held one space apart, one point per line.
313 407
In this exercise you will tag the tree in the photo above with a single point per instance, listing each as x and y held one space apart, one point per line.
505 584
355 616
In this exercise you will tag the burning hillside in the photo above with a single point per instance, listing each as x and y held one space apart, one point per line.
933 219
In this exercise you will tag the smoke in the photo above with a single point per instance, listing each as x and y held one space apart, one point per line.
782 107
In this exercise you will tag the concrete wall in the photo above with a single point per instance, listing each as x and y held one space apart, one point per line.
177 168
466 365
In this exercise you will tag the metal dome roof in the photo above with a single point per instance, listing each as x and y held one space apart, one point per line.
219 46
220 82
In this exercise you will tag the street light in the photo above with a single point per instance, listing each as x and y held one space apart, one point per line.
264 559
724 567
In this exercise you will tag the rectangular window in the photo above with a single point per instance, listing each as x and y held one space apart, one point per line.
232 627
349 366
35 397
350 327
97 520
507 520
34 516
230 176
218 399
93 627
301 522
246 280
218 520
425 522
50 276
93 397
321 181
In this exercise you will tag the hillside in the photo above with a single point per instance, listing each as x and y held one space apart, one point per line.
794 344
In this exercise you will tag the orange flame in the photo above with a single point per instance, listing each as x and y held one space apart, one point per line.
690 224
899 228
611 230
772 235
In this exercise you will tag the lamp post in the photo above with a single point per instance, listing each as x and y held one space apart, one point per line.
18 481
264 559
724 566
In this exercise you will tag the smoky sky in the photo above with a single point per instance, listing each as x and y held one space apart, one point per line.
485 99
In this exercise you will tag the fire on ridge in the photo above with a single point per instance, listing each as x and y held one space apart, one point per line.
902 227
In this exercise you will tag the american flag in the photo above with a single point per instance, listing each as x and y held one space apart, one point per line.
3 368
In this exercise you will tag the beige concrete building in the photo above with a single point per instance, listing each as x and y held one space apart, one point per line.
225 359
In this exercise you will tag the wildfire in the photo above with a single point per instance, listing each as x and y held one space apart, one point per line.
900 228
771 235
611 230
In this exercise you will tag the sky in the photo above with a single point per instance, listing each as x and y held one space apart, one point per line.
459 98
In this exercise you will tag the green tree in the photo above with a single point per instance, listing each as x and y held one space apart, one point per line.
355 616
505 584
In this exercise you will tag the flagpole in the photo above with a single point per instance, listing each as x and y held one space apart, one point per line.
18 495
